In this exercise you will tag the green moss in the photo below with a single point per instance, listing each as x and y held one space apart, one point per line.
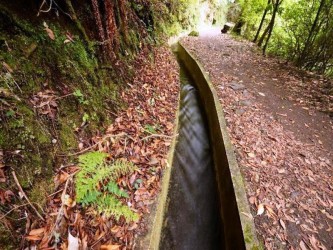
194 33
39 192
7 236
40 64
66 135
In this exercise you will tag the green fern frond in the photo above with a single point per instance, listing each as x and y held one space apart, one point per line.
96 185
113 188
109 205
121 167
92 159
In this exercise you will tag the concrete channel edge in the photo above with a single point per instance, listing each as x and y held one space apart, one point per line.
234 203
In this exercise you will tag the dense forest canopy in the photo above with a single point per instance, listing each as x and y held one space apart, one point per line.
298 30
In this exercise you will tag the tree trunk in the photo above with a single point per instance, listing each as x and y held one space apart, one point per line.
238 27
76 20
100 28
262 21
262 38
271 24
310 36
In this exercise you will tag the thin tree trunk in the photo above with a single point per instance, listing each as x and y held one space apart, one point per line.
76 20
100 28
238 27
310 36
262 21
262 38
271 24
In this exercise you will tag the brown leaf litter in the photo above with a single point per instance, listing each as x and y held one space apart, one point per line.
284 145
142 134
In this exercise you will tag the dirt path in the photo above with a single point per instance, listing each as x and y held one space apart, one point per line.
279 124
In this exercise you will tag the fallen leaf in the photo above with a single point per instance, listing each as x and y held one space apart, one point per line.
61 178
283 225
302 245
115 229
8 195
251 155
261 209
73 242
307 228
153 161
34 237
38 231
2 176
110 247
7 67
252 200
50 33
270 211
314 242
68 201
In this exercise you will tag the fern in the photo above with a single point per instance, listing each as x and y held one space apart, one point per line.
121 167
90 160
109 205
113 188
96 185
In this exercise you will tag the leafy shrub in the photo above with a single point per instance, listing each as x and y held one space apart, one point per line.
96 185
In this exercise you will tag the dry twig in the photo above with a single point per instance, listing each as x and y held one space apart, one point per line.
25 196
61 210
17 207
159 135
97 143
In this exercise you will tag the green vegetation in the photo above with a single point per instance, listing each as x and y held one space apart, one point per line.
297 30
194 33
96 185
173 17
46 75
61 75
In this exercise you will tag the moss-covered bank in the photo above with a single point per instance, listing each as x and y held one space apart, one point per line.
62 69
55 92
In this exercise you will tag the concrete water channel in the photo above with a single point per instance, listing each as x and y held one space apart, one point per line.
203 203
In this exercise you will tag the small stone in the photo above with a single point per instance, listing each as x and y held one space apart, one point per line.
245 103
236 86
240 111
246 93
294 194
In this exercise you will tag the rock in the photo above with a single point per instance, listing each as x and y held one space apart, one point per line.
246 94
240 111
245 103
227 27
236 86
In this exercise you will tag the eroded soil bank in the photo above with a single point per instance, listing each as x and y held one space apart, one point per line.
279 123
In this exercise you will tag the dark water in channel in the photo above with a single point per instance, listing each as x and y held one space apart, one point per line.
192 218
